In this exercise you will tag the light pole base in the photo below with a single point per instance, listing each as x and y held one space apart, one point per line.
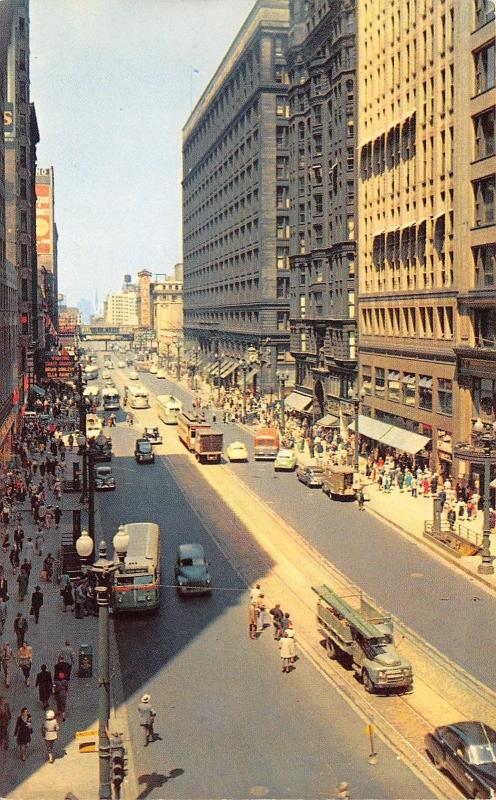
485 569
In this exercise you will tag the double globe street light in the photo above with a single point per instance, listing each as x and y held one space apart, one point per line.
104 571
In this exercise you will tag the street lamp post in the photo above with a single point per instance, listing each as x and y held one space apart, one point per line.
356 400
88 492
244 368
283 377
178 363
104 570
219 362
195 367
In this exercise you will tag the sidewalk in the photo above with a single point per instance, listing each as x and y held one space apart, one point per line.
406 514
73 773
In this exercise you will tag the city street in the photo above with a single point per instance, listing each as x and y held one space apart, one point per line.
221 698
451 611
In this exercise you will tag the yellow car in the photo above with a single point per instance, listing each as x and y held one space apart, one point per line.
237 452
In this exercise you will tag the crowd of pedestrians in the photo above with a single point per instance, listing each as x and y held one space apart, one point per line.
283 629
30 496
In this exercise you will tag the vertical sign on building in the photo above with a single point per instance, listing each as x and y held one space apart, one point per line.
44 217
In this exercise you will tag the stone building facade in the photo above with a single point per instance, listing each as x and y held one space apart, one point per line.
426 233
322 190
235 202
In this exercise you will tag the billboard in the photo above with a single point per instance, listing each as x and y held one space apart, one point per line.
44 219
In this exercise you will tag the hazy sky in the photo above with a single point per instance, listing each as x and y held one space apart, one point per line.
111 83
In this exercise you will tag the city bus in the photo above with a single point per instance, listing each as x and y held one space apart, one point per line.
110 399
137 396
137 588
168 408
187 425
91 372
91 395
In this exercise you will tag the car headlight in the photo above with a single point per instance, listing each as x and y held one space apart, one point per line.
208 581
381 673
406 671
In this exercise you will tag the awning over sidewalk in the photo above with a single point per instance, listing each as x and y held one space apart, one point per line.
329 421
251 374
406 441
38 390
229 365
298 401
371 428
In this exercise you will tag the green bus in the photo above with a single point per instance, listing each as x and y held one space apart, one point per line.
137 588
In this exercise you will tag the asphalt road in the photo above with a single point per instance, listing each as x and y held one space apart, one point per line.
451 611
230 723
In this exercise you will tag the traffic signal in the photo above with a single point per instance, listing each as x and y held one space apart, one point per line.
118 761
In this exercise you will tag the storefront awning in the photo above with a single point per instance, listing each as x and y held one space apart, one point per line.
329 421
298 401
251 374
38 390
228 367
371 428
406 441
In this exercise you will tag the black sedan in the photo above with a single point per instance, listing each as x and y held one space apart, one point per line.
467 752
143 452
311 476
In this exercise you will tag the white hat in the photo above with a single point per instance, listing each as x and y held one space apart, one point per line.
50 714
145 698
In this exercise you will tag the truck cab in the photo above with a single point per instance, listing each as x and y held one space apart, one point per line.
266 444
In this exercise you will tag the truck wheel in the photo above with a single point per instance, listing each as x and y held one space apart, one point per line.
368 685
331 649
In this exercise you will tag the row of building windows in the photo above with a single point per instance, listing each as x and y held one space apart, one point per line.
409 388
424 322
210 317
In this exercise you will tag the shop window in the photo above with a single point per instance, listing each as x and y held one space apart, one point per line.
425 392
393 386
444 396
379 382
408 388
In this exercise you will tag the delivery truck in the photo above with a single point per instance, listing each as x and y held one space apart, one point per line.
208 445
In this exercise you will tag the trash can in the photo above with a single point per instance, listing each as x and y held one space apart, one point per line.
85 661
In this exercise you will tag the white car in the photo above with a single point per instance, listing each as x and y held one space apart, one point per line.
109 365
133 376
153 369
161 374
121 364
237 452
105 374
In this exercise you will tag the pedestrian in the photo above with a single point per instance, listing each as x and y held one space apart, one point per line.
290 633
14 559
48 563
20 628
414 486
147 719
91 606
6 656
285 622
255 593
25 661
22 582
361 500
62 669
67 596
28 550
69 656
39 542
3 587
277 615
451 518
3 614
49 731
36 603
60 689
80 600
286 652
57 515
45 685
252 620
22 731
260 604
5 717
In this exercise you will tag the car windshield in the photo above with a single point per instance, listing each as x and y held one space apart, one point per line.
192 562
482 753
103 473
145 447
316 470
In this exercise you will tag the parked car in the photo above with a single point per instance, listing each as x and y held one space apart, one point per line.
191 573
153 435
467 752
161 374
105 374
237 452
108 365
104 480
121 364
143 452
153 369
133 376
311 476
285 460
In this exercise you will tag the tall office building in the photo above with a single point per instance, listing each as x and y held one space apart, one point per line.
47 244
21 137
235 201
322 108
427 232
